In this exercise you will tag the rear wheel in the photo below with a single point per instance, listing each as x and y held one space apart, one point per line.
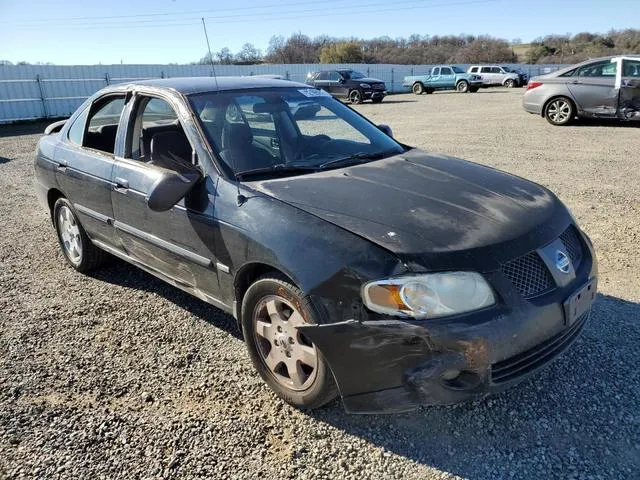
355 96
76 246
418 88
559 111
294 368
462 86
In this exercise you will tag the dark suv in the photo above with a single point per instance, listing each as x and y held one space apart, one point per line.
349 84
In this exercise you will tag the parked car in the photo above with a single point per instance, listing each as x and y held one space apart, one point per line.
349 85
443 77
522 76
493 75
607 87
354 265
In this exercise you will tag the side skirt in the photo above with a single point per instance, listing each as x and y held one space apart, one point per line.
185 287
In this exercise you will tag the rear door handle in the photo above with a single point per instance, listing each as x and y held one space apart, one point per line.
122 184
61 165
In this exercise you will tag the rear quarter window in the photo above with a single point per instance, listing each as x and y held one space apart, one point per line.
76 131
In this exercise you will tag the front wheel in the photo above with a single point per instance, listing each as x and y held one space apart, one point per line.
559 111
292 366
510 83
418 88
355 96
473 89
376 100
462 86
76 246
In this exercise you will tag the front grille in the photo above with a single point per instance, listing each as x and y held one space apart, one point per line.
526 362
529 275
378 86
571 242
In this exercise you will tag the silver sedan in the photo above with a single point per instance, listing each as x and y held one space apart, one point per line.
606 87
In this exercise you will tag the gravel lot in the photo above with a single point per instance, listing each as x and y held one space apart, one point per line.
117 375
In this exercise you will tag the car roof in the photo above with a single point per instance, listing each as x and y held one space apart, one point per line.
192 85
587 62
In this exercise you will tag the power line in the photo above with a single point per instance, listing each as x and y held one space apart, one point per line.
261 17
191 12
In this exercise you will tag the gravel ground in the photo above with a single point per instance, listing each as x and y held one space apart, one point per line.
117 375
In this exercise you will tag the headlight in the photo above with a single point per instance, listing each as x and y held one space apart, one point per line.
430 295
365 85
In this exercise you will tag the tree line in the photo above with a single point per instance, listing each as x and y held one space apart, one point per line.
426 49
582 46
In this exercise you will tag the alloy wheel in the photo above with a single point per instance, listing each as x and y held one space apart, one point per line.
290 357
559 111
69 234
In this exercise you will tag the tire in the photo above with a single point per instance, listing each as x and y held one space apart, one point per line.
76 246
559 111
376 100
473 89
462 86
417 88
509 83
355 96
271 308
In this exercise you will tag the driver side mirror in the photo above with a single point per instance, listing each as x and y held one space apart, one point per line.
386 129
175 175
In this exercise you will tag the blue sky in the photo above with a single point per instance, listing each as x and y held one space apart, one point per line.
164 31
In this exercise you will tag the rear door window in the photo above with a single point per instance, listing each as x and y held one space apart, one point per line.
599 69
103 123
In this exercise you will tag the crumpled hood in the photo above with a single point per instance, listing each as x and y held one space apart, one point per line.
420 206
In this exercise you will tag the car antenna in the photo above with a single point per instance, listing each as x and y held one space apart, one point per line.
213 67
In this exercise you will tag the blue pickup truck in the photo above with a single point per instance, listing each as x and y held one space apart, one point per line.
443 77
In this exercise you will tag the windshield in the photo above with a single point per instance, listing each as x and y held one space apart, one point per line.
283 129
458 70
352 74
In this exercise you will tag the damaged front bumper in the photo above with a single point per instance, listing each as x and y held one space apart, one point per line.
390 366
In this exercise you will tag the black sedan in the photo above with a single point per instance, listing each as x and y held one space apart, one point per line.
355 265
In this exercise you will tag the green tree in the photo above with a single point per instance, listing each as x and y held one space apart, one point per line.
341 52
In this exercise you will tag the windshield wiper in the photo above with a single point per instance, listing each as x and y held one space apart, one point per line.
359 157
277 169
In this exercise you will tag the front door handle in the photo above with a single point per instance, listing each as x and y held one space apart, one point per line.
122 184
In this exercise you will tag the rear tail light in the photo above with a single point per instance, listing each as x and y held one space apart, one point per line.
532 85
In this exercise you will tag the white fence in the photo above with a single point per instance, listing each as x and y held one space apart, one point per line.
48 91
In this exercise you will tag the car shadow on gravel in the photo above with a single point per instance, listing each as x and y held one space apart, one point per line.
125 275
19 129
4 160
577 415
603 122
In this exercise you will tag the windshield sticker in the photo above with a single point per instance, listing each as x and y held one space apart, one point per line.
313 92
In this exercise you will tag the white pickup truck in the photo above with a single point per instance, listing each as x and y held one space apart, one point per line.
496 75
